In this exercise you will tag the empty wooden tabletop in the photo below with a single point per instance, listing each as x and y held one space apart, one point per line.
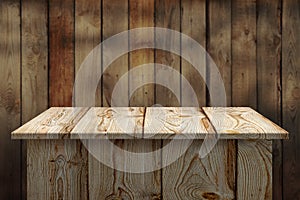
149 123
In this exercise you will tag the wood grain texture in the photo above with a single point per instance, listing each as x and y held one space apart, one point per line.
104 122
61 52
87 34
55 123
269 78
219 41
243 122
291 97
182 122
142 12
57 169
167 15
142 15
149 123
193 24
244 53
190 177
10 99
103 181
254 169
108 183
34 58
116 13
34 67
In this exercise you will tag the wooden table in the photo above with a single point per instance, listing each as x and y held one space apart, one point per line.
238 167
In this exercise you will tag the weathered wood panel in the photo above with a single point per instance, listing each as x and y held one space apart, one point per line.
244 87
291 97
115 20
254 169
10 99
193 24
57 169
87 34
61 52
167 15
268 76
219 41
243 122
34 67
190 177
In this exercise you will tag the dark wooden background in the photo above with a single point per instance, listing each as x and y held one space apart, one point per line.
256 45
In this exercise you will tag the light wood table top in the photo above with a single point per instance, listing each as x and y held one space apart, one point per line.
149 123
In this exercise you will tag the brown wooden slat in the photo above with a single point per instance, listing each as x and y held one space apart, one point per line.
10 101
219 41
61 52
34 67
193 24
87 34
268 76
291 97
167 15
115 20
142 15
254 169
244 90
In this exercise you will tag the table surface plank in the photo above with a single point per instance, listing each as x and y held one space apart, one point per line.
149 123
54 123
112 123
176 122
243 123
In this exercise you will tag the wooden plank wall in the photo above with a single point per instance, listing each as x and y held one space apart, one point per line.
254 43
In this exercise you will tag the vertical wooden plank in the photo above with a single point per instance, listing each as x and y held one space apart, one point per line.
244 90
34 67
291 97
254 169
268 76
219 40
193 24
87 33
167 15
142 15
34 58
115 20
10 101
212 177
57 169
61 44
